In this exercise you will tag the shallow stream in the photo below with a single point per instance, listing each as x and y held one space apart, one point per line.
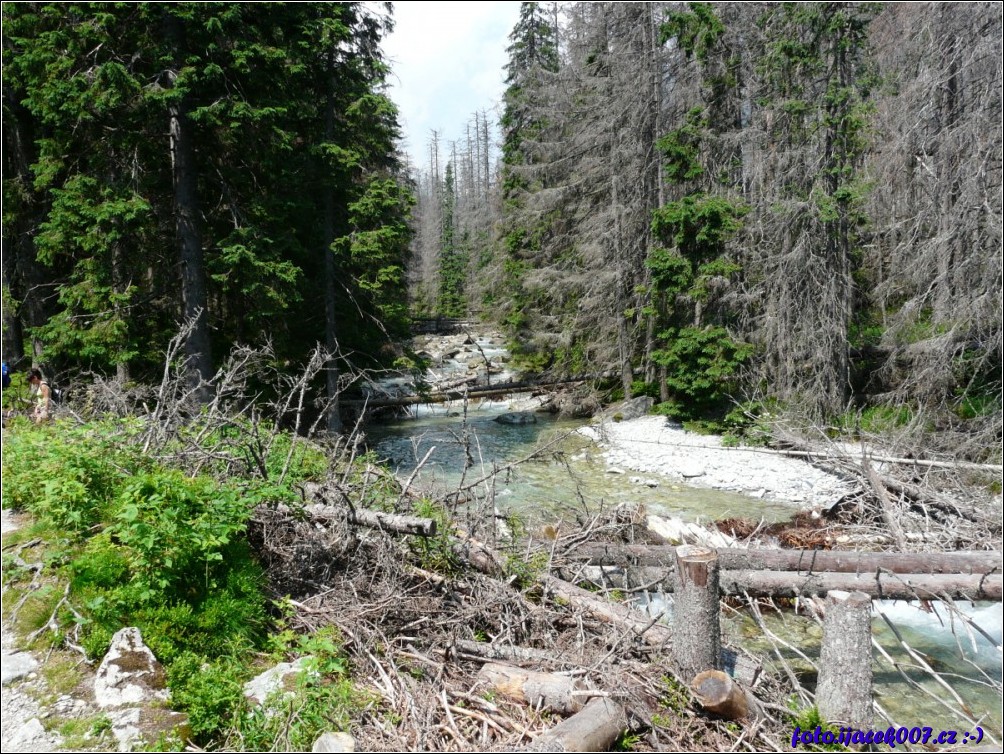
571 473
570 469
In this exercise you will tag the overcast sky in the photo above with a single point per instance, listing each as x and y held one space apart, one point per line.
447 61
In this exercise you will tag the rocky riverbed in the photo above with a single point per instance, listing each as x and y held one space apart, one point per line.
653 445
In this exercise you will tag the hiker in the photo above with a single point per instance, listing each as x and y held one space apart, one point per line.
41 396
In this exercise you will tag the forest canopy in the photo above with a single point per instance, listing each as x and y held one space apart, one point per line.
230 165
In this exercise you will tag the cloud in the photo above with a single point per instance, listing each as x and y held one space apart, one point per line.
448 61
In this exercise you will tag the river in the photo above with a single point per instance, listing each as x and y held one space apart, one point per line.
571 475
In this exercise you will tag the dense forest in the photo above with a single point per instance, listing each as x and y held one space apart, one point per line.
792 204
769 205
232 166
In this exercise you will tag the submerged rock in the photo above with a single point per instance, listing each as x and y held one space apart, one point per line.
517 417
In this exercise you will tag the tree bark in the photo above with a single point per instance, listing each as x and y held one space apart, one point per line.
333 412
758 583
844 690
647 629
664 556
697 643
482 650
424 527
877 585
888 514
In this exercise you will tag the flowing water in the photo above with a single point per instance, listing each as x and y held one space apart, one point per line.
570 473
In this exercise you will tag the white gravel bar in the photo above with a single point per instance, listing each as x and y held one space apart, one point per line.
650 444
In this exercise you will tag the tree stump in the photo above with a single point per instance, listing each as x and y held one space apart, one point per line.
844 691
697 641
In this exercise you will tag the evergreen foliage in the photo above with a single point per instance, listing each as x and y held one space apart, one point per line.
98 204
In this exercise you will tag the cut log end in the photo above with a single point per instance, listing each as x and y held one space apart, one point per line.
720 695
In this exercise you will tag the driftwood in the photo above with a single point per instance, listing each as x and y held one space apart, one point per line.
395 522
557 693
647 629
594 728
844 690
967 562
876 585
716 692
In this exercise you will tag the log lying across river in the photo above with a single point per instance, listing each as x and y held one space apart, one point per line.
471 393
810 561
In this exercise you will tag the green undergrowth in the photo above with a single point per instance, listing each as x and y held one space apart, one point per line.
127 541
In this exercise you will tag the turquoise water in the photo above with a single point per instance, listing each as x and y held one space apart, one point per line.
568 472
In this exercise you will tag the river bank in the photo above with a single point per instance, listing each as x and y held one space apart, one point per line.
653 445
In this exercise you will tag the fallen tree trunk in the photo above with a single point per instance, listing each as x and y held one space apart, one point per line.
482 650
456 395
763 583
558 693
965 562
647 629
885 504
716 692
877 585
817 454
395 522
594 728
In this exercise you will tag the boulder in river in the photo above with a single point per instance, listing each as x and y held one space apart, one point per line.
516 417
629 409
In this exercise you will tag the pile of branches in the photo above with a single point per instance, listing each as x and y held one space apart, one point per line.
428 619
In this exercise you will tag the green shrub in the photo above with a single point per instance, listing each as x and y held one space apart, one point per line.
61 475
210 693
175 531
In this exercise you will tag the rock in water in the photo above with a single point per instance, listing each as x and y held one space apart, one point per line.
517 417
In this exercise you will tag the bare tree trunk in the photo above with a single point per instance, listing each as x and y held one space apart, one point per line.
187 224
844 691
333 414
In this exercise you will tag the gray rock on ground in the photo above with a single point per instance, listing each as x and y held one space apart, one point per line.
129 674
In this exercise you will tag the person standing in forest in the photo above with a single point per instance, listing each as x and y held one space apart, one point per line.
41 396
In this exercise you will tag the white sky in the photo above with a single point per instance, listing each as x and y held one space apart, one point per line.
447 61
